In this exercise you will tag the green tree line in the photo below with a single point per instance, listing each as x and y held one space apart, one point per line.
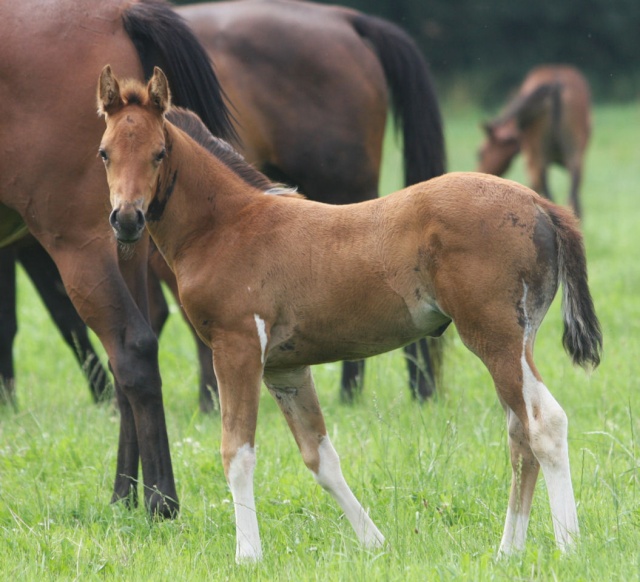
485 47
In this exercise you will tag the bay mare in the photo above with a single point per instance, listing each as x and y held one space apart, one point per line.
310 110
276 283
50 55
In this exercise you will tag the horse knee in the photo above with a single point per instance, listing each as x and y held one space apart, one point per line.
136 364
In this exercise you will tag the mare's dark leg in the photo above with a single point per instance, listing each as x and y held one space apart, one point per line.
158 307
8 325
421 369
352 378
46 278
111 297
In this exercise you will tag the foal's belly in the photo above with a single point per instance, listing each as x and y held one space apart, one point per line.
331 340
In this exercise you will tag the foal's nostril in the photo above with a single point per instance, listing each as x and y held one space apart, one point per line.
140 218
113 218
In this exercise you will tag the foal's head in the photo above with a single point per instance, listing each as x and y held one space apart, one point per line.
133 146
501 144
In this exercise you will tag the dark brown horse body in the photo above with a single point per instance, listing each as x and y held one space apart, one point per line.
50 55
310 110
276 283
550 122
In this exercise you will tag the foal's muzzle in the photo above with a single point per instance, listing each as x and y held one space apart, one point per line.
127 223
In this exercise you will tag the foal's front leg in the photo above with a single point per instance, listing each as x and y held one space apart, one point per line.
295 393
238 366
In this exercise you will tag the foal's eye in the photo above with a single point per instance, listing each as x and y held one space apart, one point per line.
103 154
160 155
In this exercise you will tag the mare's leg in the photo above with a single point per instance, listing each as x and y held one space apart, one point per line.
352 378
421 370
295 393
506 350
117 312
8 324
46 278
237 362
158 307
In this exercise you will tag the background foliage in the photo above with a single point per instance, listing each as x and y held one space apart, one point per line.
484 48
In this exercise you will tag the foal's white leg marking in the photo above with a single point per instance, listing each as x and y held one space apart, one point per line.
548 428
262 334
241 468
329 477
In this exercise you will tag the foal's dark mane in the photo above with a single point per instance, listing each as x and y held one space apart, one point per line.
193 126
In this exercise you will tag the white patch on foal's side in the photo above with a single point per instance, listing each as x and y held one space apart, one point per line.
262 334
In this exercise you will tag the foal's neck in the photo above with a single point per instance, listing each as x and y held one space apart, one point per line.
196 194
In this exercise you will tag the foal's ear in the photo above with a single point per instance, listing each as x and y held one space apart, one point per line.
109 99
158 90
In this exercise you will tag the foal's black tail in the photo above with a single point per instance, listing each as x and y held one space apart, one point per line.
415 109
413 97
163 39
582 336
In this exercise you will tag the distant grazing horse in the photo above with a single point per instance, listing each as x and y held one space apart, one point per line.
310 111
276 283
550 121
50 55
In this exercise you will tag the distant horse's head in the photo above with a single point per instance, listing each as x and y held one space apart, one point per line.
133 146
501 144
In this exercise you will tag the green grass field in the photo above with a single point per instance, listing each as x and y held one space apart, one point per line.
435 478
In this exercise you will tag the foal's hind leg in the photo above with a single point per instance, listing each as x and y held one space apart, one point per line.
540 427
295 393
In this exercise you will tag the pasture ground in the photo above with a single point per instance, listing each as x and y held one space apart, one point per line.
434 477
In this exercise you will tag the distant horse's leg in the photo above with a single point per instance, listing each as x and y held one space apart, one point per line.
540 182
8 325
46 278
295 393
237 362
574 193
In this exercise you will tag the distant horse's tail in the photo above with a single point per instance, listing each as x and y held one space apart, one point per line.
582 336
413 97
163 39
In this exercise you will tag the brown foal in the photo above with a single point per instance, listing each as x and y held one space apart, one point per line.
276 283
549 120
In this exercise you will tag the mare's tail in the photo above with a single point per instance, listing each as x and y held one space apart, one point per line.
415 109
413 97
582 337
163 39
